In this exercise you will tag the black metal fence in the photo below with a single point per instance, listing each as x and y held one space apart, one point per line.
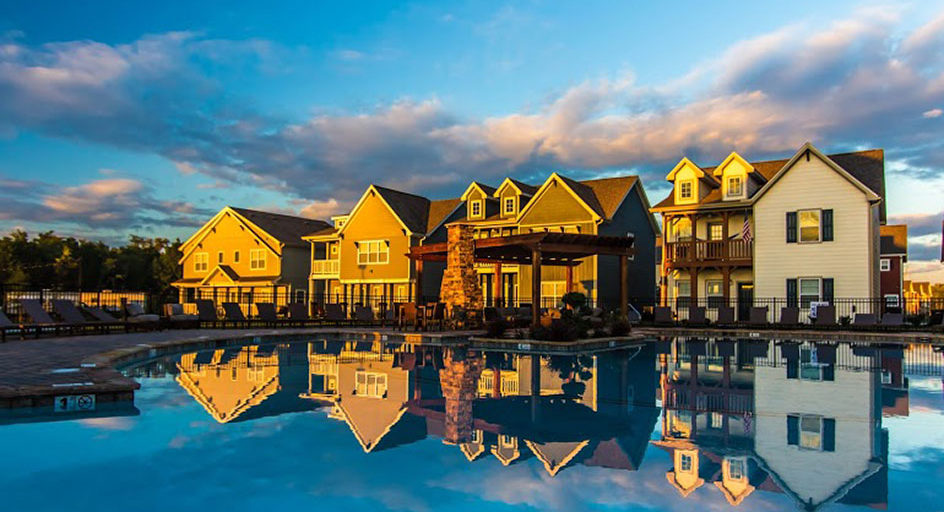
112 300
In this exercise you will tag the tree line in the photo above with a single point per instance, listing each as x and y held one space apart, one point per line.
50 261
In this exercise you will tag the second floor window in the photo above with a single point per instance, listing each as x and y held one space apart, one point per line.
809 226
735 186
235 256
509 205
373 252
370 384
201 262
686 189
475 209
219 257
257 259
885 264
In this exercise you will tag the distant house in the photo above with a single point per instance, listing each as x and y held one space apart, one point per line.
917 296
798 230
894 254
248 256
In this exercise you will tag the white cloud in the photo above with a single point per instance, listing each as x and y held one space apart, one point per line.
934 112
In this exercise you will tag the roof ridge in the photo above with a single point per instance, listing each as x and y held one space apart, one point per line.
275 214
381 187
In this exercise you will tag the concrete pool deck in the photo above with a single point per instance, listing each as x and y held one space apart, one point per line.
35 371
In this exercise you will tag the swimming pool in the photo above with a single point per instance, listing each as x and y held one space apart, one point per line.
352 425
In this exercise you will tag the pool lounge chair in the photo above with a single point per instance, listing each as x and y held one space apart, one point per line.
364 315
696 316
267 313
789 317
8 327
298 313
758 316
139 318
663 315
334 314
71 315
33 308
490 314
233 314
206 311
726 316
864 320
892 321
174 313
825 316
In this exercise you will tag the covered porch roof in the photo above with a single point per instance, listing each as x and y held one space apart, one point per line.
552 248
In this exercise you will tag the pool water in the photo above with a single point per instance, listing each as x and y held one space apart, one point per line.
354 425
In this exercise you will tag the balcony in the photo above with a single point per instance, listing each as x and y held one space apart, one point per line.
736 252
325 268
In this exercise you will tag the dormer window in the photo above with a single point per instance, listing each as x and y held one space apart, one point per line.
686 189
475 209
735 187
509 206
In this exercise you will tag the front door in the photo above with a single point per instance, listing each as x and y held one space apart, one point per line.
510 289
745 300
485 283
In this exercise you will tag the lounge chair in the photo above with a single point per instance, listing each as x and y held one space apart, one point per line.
6 327
523 314
825 316
725 316
138 317
334 314
174 313
71 315
364 315
507 313
758 316
490 314
696 316
663 315
892 321
40 318
234 314
864 320
408 316
206 311
298 313
267 314
789 316
106 318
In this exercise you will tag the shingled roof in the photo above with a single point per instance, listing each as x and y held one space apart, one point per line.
610 192
413 210
439 210
868 167
285 228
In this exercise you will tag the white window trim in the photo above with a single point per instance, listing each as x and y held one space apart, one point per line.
691 196
819 236
819 289
254 259
727 186
472 207
201 262
513 202
885 264
368 392
892 300
800 432
363 249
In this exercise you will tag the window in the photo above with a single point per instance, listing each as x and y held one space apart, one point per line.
475 209
372 385
551 292
892 301
300 296
219 257
683 293
373 252
885 264
683 229
257 259
810 367
334 249
736 469
235 256
509 205
809 291
201 262
735 186
809 226
886 377
715 293
685 461
715 231
716 420
811 432
686 189
506 441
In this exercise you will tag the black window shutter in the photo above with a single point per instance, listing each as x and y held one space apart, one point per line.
829 435
791 227
828 288
827 225
829 372
793 368
793 430
792 293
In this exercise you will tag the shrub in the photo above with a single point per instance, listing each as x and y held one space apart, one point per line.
619 327
559 330
496 328
574 300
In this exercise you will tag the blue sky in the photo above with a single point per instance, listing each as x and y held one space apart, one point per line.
118 118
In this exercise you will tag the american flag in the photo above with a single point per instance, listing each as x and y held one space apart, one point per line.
746 230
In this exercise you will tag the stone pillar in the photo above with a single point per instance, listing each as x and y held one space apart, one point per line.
460 283
459 381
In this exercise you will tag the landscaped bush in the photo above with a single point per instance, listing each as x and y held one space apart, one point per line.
565 328
618 326
574 300
497 328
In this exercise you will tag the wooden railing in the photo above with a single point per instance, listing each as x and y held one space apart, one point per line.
736 250
325 267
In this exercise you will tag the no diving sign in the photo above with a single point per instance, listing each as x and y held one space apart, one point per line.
73 403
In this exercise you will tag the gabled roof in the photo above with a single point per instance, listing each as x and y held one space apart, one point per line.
413 210
486 190
226 270
285 228
894 239
523 188
610 192
439 211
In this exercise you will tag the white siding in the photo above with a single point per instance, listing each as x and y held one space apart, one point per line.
849 259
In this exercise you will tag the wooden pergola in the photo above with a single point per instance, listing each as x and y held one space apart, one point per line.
537 249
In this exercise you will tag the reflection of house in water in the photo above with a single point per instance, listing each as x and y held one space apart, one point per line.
243 383
594 409
801 419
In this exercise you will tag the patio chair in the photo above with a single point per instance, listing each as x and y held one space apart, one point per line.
106 318
408 316
71 315
663 315
206 311
364 315
523 315
893 321
864 320
725 316
33 308
758 316
825 316
174 313
696 316
789 316
138 317
507 313
233 314
490 314
436 313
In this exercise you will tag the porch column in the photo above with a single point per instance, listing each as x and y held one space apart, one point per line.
418 291
624 285
535 388
497 290
569 279
726 284
693 275
496 380
725 253
535 286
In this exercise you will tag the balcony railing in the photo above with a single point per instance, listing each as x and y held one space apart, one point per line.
709 251
325 267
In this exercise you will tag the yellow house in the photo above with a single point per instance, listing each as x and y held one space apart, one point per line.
247 256
800 230
363 257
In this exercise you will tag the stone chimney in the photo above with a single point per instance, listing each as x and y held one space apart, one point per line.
459 381
460 282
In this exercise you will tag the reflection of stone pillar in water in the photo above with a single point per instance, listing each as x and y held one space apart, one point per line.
459 381
535 388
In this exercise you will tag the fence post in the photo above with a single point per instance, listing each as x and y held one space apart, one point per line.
124 307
